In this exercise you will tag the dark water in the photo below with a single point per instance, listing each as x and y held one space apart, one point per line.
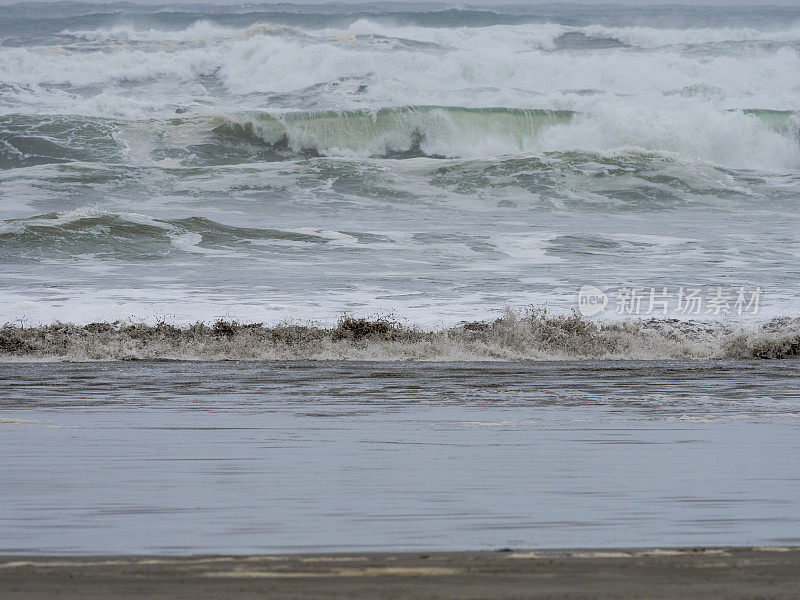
285 456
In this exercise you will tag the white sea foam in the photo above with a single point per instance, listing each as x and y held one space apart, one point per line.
661 100
532 336
653 37
692 130
488 66
518 37
655 101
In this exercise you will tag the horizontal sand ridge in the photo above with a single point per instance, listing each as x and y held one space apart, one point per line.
726 572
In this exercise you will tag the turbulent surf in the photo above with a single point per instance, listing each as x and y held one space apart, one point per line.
273 165
529 335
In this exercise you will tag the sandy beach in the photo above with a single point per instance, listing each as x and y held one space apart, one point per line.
772 572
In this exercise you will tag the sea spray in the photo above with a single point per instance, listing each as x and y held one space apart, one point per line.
530 335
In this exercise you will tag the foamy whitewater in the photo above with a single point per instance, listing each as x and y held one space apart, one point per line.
291 164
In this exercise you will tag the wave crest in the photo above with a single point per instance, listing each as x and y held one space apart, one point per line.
534 335
399 132
735 138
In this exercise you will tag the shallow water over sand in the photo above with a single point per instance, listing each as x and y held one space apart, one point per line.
300 456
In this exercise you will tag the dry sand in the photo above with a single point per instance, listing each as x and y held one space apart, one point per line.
647 573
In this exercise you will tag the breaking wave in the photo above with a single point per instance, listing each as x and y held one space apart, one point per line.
748 138
533 335
391 33
400 132
268 63
768 138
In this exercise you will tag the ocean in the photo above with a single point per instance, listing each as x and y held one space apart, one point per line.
294 278
270 164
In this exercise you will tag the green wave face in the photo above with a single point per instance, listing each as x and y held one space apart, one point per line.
27 140
785 122
399 132
130 236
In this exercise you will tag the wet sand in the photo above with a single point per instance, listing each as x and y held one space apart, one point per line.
655 573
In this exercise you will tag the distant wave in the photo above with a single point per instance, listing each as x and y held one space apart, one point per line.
126 236
251 60
750 138
535 335
431 28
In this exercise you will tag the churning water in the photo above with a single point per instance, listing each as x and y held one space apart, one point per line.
264 165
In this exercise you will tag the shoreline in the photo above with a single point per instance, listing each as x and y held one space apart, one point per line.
532 335
714 572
